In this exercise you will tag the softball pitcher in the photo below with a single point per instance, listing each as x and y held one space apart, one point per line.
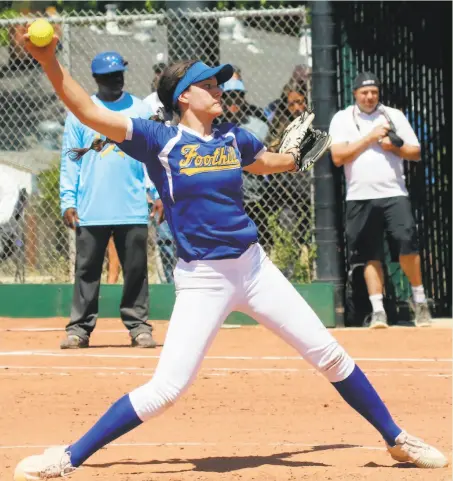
197 171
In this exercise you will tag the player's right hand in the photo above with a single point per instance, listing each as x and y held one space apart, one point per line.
71 218
379 132
43 55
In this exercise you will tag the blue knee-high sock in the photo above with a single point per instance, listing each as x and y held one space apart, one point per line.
118 420
358 392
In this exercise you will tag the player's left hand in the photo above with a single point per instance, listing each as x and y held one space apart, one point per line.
305 143
157 211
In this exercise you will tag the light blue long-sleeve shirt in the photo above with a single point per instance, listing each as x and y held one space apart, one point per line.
108 187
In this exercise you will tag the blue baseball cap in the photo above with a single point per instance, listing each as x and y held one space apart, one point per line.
233 84
198 72
108 62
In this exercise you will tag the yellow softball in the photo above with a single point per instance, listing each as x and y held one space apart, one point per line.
40 32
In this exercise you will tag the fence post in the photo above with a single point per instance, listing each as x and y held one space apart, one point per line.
330 266
66 57
192 38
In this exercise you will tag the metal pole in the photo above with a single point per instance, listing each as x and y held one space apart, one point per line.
66 58
192 38
328 205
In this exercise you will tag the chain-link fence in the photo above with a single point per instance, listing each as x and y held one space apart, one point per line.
271 52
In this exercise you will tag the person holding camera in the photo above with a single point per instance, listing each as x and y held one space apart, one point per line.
371 141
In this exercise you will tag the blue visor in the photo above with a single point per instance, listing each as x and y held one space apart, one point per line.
198 72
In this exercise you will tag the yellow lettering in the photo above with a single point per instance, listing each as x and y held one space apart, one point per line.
231 156
189 152
223 157
215 157
199 170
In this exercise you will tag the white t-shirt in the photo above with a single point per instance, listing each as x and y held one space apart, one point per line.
375 173
154 102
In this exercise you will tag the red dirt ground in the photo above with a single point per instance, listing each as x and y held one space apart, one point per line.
243 419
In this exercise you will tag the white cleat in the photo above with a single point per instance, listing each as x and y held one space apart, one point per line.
56 463
409 449
53 463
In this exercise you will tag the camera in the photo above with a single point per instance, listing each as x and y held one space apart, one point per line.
395 139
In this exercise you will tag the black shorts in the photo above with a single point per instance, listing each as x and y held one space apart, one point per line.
368 221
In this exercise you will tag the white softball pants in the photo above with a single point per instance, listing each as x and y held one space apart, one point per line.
206 293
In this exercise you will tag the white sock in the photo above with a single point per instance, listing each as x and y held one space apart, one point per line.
418 293
376 302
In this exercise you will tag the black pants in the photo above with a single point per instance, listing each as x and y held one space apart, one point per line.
368 221
131 245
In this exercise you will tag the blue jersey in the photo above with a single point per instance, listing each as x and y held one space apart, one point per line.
199 180
108 187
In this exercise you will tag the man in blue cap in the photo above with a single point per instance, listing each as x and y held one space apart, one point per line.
103 195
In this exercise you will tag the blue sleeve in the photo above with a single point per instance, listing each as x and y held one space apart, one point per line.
249 146
70 170
144 143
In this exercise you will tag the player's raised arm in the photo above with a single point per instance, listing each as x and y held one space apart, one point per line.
111 124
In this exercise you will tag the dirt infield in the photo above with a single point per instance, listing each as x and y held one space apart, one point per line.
256 412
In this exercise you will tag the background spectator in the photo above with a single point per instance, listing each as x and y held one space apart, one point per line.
250 117
376 195
294 95
153 100
164 239
103 195
292 196
241 112
292 102
156 210
166 249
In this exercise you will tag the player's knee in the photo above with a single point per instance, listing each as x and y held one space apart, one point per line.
336 364
155 397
